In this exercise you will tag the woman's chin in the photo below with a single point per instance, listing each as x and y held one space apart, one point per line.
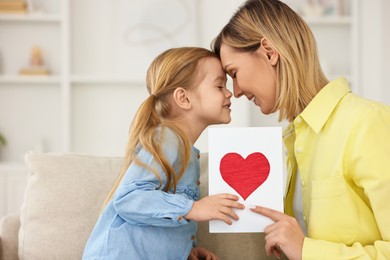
265 111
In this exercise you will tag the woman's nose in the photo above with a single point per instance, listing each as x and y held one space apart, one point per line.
236 90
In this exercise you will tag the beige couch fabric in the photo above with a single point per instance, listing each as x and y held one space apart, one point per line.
62 202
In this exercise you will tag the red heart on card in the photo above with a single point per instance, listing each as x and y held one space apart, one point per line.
244 175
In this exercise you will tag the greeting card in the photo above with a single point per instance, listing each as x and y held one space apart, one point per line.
247 162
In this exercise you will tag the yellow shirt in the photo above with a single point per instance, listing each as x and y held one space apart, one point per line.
341 145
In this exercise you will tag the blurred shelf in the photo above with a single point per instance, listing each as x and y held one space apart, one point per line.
328 20
88 79
16 79
31 17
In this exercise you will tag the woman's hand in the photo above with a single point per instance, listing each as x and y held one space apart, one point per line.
201 253
285 234
215 207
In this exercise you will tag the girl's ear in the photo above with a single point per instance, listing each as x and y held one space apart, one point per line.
269 51
180 96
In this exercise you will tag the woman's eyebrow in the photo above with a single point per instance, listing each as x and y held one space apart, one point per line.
225 68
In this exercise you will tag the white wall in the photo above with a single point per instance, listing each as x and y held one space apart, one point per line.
371 49
385 65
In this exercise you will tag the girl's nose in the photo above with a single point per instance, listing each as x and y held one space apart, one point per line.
228 93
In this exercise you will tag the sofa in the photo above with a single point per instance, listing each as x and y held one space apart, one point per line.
63 198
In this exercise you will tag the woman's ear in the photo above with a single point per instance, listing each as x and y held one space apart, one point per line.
180 96
269 51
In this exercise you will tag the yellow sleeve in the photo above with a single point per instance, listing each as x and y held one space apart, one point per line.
367 164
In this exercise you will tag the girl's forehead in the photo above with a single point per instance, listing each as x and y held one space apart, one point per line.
210 63
210 69
213 66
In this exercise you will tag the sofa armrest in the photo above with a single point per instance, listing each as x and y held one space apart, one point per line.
9 229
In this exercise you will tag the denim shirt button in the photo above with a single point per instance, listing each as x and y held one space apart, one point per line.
179 218
193 237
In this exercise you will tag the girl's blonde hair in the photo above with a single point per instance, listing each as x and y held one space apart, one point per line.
173 68
300 76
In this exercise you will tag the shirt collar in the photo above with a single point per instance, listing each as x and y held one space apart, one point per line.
321 107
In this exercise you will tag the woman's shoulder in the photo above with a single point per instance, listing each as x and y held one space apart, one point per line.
364 114
367 106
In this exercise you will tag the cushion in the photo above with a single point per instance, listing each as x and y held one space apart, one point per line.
62 202
228 245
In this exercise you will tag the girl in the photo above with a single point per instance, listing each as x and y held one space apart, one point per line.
151 211
337 143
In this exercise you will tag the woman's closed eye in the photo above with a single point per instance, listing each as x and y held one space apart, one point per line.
232 74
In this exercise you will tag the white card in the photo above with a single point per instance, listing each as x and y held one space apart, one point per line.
247 162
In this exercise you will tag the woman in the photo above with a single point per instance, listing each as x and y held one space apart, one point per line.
338 143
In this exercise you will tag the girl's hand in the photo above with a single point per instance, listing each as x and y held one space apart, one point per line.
285 234
215 207
201 253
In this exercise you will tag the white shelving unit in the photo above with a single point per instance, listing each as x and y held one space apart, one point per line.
104 80
30 17
29 103
33 109
13 79
98 66
337 40
329 20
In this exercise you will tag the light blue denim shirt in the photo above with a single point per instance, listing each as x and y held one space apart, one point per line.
144 222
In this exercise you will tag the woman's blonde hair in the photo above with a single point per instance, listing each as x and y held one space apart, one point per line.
300 76
173 68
